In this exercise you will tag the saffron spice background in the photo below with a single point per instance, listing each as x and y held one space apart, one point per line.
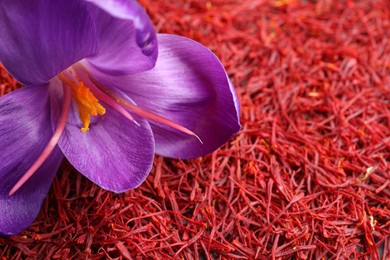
307 177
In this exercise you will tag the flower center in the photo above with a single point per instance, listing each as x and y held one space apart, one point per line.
88 104
86 93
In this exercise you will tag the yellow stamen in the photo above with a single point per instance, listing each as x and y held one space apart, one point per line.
87 103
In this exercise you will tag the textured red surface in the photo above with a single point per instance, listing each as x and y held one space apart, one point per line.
308 175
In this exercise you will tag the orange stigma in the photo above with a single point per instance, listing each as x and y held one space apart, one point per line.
88 104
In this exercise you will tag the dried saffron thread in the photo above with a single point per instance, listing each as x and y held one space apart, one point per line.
313 81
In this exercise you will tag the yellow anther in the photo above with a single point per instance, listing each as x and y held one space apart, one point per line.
87 103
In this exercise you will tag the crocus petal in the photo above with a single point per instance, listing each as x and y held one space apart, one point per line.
114 153
124 9
25 130
127 45
40 38
189 86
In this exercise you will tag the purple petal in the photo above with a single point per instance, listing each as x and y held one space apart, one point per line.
114 153
127 45
40 38
25 130
189 86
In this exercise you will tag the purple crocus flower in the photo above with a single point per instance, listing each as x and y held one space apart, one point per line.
101 93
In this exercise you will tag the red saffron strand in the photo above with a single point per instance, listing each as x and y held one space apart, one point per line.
119 101
152 116
102 96
50 146
313 82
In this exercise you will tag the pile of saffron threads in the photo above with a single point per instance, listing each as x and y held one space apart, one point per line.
308 177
